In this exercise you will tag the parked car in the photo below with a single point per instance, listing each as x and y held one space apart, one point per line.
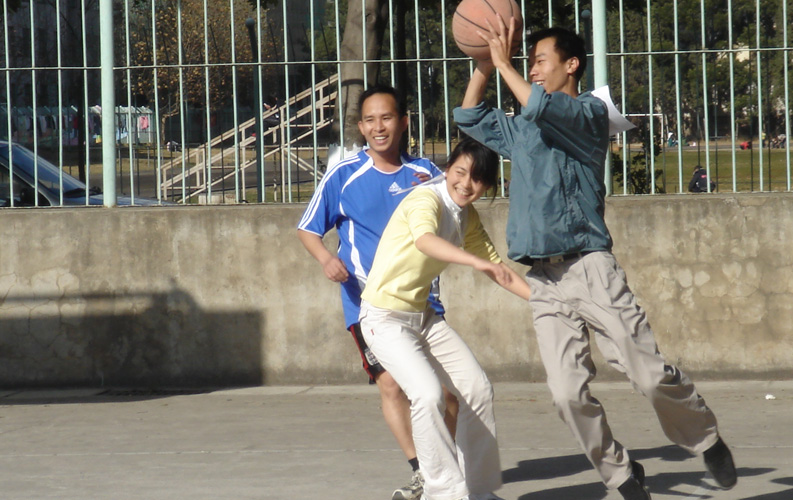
49 183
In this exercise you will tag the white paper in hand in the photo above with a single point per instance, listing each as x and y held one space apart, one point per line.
617 122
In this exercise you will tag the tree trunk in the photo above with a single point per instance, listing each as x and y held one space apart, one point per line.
352 73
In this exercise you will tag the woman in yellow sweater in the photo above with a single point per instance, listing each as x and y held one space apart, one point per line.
434 226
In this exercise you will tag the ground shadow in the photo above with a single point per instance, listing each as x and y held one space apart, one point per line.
546 468
130 340
780 495
661 483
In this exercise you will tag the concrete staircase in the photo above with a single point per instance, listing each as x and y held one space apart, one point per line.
199 171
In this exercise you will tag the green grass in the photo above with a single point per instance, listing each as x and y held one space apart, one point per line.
746 168
747 171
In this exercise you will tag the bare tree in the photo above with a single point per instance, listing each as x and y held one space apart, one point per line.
187 84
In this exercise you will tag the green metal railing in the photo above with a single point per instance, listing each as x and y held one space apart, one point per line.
706 83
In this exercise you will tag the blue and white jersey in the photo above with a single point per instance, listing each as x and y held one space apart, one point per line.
358 200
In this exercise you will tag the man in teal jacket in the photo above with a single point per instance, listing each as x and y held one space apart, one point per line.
558 144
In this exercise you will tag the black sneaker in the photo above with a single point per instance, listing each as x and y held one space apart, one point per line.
718 460
637 471
633 487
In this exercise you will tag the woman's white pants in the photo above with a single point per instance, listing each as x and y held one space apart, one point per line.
422 352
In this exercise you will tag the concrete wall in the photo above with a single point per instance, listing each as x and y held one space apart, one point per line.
226 295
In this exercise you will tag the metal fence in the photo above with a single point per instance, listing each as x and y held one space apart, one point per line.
227 101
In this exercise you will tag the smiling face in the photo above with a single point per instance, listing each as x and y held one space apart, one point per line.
382 127
548 69
463 189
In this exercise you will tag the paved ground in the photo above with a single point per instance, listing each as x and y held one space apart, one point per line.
312 443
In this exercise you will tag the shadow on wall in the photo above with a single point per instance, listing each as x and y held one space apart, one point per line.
138 339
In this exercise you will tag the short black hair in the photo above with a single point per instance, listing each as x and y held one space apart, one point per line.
567 43
384 89
484 161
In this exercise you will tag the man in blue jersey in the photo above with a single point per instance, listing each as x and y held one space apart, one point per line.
357 196
558 143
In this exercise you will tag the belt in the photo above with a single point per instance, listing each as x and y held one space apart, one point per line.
554 259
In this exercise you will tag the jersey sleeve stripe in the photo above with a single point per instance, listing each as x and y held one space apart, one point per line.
314 204
358 173
421 165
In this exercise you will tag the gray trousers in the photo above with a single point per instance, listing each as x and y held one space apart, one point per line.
590 295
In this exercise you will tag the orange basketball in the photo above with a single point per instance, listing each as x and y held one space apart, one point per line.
470 17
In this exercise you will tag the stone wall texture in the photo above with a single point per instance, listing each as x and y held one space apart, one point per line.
226 295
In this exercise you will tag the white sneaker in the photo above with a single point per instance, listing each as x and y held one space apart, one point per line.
466 497
424 497
413 491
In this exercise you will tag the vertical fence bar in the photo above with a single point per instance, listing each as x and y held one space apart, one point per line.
391 42
600 63
525 58
108 103
759 94
447 113
259 38
678 107
288 142
261 187
9 104
313 92
624 99
258 127
59 60
418 78
339 82
523 45
650 98
550 13
182 110
128 73
733 128
240 195
86 109
363 41
577 16
34 99
499 100
705 92
207 107
156 85
785 65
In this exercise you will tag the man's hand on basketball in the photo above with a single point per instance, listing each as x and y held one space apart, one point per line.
500 40
335 270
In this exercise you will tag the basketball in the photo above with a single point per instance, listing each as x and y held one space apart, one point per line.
470 17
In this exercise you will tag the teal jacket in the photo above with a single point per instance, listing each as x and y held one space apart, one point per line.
558 147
